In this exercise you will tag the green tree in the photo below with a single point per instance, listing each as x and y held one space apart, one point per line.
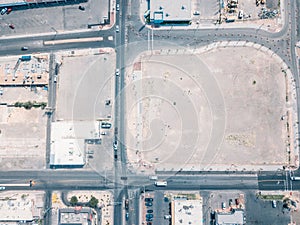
93 202
74 200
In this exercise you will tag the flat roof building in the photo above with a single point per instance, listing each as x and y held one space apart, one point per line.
170 11
75 216
186 212
67 146
234 217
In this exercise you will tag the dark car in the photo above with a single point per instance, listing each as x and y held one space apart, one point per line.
11 26
81 8
149 219
24 48
149 211
148 199
148 204
127 216
9 10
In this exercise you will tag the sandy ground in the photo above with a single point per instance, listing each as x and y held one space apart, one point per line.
22 138
220 109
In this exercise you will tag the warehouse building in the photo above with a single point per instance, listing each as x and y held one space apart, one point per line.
170 11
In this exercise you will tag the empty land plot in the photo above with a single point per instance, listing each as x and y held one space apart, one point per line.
22 138
218 110
84 83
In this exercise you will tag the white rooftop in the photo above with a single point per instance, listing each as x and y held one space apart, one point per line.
67 142
187 212
170 10
16 206
236 218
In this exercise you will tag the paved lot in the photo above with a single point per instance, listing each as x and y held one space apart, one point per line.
53 19
222 115
257 211
85 83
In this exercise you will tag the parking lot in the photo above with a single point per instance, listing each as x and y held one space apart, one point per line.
84 84
257 211
84 93
154 208
53 18
239 125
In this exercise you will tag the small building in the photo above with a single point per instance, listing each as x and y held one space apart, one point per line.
170 11
234 217
186 212
75 216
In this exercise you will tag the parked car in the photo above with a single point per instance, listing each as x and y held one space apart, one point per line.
127 216
148 199
3 11
2 188
11 26
149 215
274 205
81 8
117 28
149 211
8 10
223 205
148 204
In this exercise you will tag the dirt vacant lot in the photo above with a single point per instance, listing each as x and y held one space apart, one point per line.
221 109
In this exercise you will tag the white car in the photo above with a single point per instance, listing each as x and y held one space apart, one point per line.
2 188
118 7
117 72
3 11
117 28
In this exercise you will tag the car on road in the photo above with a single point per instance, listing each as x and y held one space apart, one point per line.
9 10
11 26
117 28
149 211
117 72
2 188
118 7
3 11
148 204
24 48
274 205
127 216
115 145
148 199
